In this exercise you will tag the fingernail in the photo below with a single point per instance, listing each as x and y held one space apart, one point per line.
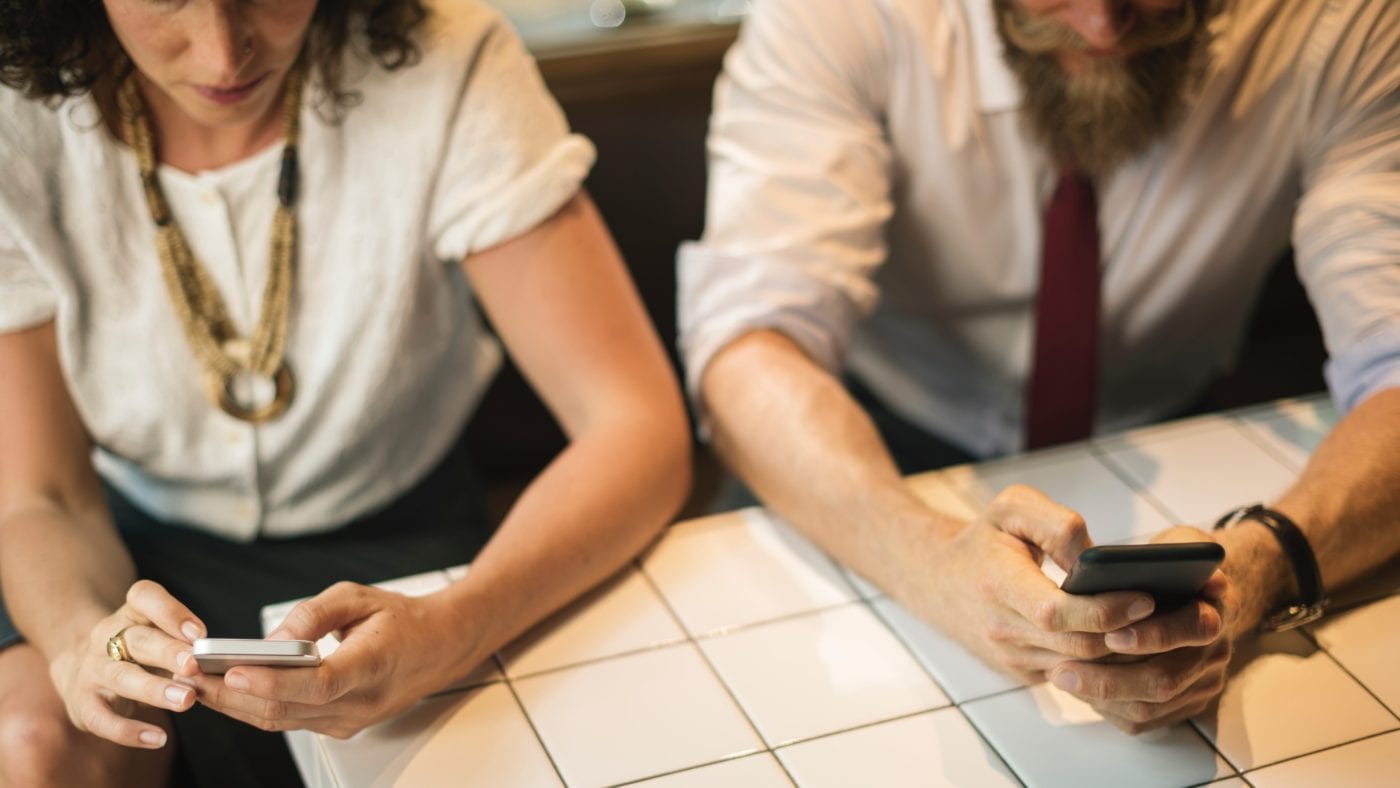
1068 681
1140 609
191 631
153 738
181 659
177 695
1121 639
237 680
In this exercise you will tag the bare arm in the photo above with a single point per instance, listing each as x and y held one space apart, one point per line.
563 302
1345 502
560 298
62 564
792 432
69 582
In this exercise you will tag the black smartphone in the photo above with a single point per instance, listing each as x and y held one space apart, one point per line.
1172 573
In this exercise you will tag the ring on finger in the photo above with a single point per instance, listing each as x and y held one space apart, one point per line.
116 646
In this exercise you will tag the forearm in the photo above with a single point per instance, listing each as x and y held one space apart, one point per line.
593 508
61 570
1345 502
807 449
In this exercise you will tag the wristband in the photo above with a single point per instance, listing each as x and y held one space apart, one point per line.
1311 599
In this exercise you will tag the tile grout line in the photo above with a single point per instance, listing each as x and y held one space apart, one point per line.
520 704
1329 748
983 736
1353 676
524 712
870 604
695 644
1196 728
697 767
1106 460
1268 448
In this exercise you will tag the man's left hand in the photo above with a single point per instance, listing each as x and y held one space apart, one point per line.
392 654
1172 664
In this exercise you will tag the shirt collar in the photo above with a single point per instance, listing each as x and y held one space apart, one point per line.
997 87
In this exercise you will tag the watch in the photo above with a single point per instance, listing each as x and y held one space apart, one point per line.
1311 600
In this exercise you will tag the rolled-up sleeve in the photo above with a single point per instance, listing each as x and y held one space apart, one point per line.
799 188
1347 228
510 161
26 297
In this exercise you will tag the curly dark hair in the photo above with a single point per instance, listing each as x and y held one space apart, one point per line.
50 49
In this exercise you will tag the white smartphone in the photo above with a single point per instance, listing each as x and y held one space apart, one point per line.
217 655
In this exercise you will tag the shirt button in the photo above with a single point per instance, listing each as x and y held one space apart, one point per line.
209 197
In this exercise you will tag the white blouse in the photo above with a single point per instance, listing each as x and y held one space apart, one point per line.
458 153
874 195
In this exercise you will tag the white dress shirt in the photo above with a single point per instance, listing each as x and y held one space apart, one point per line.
460 152
875 197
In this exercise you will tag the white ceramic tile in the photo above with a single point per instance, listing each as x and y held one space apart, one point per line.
739 568
479 737
1078 480
1051 739
635 716
1200 474
753 771
1288 698
1229 782
1292 428
961 674
820 673
1366 642
622 615
1170 429
939 748
417 585
305 747
1370 763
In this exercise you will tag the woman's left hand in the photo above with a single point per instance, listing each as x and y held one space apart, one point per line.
394 651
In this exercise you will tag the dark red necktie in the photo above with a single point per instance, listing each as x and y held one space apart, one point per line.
1064 370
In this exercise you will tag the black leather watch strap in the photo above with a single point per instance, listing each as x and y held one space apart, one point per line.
1295 546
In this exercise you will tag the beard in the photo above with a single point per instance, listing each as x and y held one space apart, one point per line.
1113 108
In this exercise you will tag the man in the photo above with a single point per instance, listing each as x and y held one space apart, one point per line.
881 174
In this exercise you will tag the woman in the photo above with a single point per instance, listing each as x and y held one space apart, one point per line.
238 247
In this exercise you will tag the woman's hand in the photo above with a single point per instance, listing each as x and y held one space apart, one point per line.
394 651
1172 665
993 596
101 694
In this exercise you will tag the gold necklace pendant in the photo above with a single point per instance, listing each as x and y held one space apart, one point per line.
225 357
219 386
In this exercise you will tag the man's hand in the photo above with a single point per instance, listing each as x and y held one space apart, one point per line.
395 651
993 596
1173 664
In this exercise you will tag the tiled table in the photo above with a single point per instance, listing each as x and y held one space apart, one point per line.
734 653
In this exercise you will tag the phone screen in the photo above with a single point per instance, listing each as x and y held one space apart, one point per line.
1172 573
